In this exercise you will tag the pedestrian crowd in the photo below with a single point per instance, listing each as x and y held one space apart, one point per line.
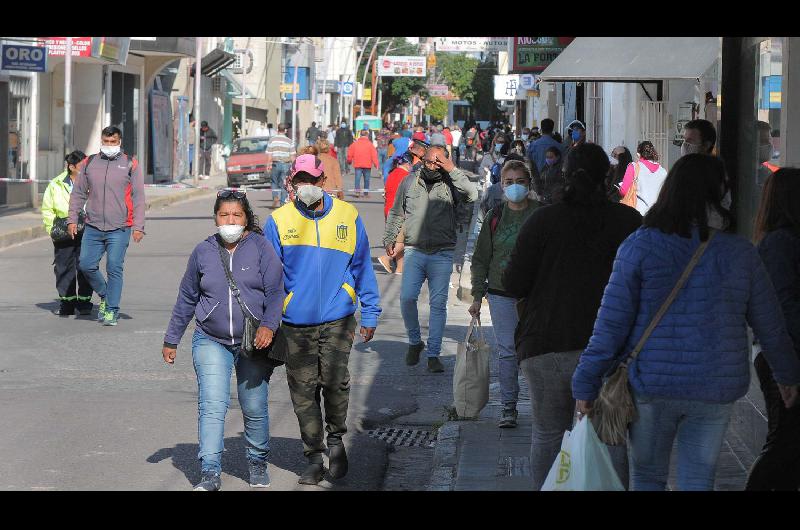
588 261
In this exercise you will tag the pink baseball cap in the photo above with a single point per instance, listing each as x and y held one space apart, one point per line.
307 163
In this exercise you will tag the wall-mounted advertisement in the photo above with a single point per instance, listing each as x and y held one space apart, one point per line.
112 49
57 46
471 44
303 90
534 54
402 66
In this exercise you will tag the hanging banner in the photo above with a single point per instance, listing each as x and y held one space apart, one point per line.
534 54
401 66
112 49
57 46
471 44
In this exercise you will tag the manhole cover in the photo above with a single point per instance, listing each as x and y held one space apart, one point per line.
404 437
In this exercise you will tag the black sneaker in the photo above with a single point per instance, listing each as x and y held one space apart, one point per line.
312 474
435 365
259 476
210 481
508 419
412 356
337 461
85 309
66 309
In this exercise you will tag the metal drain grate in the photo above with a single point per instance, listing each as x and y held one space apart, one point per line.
404 437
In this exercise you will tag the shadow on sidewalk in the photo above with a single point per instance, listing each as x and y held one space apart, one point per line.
51 307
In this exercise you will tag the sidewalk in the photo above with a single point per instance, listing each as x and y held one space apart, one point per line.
24 225
479 456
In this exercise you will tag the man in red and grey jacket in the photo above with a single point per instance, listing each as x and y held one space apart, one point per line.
111 185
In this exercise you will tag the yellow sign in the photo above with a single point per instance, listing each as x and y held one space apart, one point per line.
774 97
286 88
367 94
431 60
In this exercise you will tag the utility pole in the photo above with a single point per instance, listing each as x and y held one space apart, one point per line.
364 77
197 74
33 142
295 59
355 79
380 92
244 96
68 97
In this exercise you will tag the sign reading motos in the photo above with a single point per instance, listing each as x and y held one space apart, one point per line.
534 54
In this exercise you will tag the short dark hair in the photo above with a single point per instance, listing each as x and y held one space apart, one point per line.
111 131
706 129
553 149
253 224
281 127
779 205
547 126
695 183
74 158
269 125
313 124
204 123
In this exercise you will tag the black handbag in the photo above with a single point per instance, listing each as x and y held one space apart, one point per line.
277 351
59 232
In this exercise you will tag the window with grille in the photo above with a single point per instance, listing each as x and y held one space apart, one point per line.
653 127
216 84
594 112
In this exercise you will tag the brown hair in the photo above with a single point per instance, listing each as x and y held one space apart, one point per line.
779 206
647 151
309 150
323 146
515 165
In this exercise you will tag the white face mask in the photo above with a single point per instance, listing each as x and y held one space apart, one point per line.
309 194
230 233
110 150
764 153
688 149
613 161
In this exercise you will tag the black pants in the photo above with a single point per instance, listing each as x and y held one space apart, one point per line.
67 259
778 465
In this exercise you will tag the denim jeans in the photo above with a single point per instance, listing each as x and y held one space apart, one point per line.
365 172
213 363
504 320
341 154
113 243
700 428
549 379
382 154
436 268
280 170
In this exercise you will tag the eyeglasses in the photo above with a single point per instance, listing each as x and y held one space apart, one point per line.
236 194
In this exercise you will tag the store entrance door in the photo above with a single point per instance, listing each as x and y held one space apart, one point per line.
125 108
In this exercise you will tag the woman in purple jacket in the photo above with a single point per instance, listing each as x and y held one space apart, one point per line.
696 362
216 345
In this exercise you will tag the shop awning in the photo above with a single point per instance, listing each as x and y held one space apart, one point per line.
634 59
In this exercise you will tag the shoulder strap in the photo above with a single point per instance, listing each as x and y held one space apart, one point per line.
86 166
231 281
497 214
674 294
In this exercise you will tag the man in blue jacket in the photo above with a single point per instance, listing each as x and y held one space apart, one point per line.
327 268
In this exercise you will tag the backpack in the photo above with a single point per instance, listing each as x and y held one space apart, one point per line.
497 214
495 172
630 198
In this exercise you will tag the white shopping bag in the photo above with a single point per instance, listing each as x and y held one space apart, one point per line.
471 374
583 464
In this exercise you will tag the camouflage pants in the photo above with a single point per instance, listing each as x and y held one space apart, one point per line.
317 364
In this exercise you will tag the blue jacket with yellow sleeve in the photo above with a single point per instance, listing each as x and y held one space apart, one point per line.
327 265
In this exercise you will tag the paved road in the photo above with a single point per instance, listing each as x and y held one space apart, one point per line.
86 407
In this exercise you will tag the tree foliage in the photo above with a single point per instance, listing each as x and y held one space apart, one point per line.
484 103
437 108
457 71
396 90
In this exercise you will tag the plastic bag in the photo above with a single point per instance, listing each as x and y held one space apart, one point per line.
583 464
471 374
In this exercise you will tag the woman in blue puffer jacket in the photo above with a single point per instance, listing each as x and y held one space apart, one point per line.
696 363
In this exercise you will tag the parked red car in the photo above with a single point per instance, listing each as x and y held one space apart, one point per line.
248 162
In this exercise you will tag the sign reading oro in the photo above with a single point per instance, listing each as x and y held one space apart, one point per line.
25 58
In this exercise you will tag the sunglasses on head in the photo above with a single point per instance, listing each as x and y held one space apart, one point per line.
236 194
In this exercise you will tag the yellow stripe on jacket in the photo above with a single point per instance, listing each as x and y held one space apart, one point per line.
337 230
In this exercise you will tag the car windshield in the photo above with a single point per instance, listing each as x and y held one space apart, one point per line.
250 145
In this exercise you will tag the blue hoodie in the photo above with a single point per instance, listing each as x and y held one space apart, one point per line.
400 148
204 290
327 264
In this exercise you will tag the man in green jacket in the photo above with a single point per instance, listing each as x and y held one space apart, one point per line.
55 204
425 204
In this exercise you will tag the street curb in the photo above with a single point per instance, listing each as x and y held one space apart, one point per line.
35 232
445 457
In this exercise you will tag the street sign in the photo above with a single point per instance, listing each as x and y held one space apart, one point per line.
401 66
286 88
471 44
508 87
438 90
347 88
25 58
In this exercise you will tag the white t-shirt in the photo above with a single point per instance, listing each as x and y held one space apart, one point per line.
456 137
649 186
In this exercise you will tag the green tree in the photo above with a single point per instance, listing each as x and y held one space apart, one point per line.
483 101
458 72
396 90
437 108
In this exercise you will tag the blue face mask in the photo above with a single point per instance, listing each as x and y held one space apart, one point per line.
515 192
550 161
498 148
576 135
